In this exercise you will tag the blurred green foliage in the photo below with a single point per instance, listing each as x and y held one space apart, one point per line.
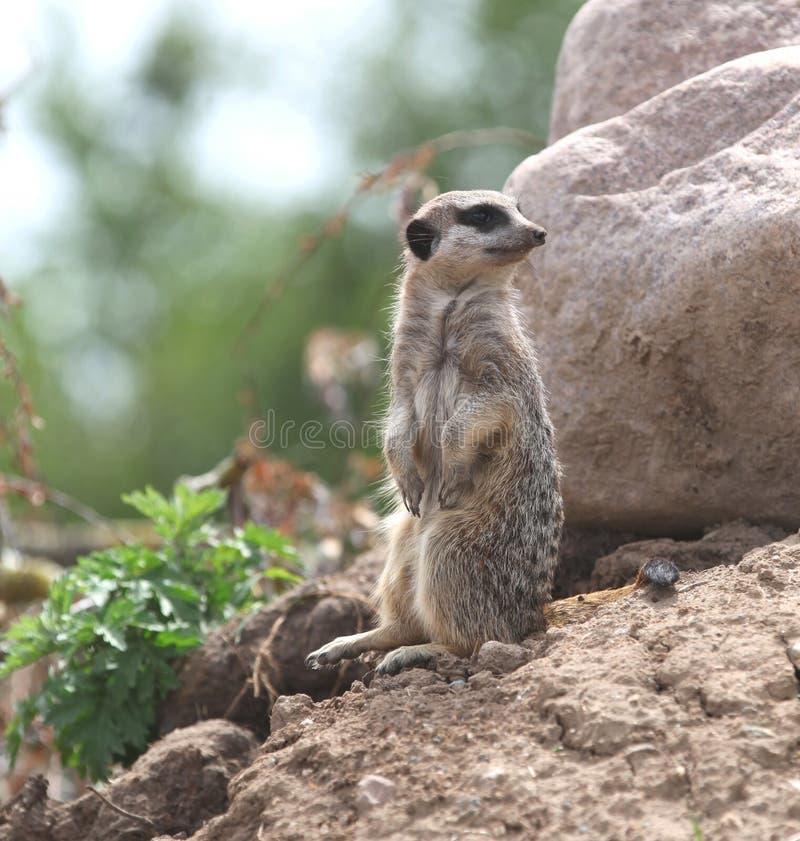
149 276
114 625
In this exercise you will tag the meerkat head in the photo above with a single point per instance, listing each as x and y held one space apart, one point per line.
465 232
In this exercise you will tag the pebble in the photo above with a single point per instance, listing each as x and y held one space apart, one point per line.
758 732
374 790
482 680
502 658
290 709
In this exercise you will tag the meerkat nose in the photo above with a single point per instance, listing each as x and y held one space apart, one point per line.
538 235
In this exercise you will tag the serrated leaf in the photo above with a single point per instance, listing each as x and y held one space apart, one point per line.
185 592
155 507
113 636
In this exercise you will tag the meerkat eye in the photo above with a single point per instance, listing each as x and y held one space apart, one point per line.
485 217
480 215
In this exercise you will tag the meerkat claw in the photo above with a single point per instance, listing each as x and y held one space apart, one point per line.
312 662
320 659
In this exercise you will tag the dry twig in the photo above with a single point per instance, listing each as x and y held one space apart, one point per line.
124 812
37 493
23 418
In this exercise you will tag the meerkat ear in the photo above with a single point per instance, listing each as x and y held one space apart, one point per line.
422 238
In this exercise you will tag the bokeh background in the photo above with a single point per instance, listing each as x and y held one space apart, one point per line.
160 164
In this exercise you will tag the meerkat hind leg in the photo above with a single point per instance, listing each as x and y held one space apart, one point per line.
383 638
409 656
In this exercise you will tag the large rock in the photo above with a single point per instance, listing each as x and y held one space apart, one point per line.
619 53
665 305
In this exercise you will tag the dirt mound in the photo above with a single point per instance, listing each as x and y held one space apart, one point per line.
650 719
250 661
175 787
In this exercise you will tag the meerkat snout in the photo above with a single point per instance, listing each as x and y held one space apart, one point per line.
538 235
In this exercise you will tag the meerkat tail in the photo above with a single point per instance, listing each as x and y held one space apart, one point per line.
657 572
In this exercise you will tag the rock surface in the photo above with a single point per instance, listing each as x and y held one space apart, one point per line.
725 545
635 724
664 304
619 53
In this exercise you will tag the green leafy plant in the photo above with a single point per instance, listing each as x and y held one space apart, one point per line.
114 625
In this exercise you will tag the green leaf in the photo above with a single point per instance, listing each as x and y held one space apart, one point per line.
183 592
179 638
280 574
24 714
270 540
112 636
155 507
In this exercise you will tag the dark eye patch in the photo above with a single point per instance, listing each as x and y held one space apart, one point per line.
484 217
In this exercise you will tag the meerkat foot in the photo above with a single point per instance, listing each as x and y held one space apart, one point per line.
410 656
342 648
383 638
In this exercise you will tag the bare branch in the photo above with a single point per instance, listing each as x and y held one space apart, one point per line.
124 812
37 493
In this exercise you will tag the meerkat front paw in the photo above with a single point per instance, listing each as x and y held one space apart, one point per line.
332 653
411 489
455 480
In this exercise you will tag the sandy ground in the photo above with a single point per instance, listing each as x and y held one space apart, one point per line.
663 717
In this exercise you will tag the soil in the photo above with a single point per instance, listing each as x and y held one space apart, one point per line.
249 662
666 716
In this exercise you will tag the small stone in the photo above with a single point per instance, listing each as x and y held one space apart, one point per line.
496 775
501 657
290 709
374 790
782 687
467 807
758 732
639 755
482 679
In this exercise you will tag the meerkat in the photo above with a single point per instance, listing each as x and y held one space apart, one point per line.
473 545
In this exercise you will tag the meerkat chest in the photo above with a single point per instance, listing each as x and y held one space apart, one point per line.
448 366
